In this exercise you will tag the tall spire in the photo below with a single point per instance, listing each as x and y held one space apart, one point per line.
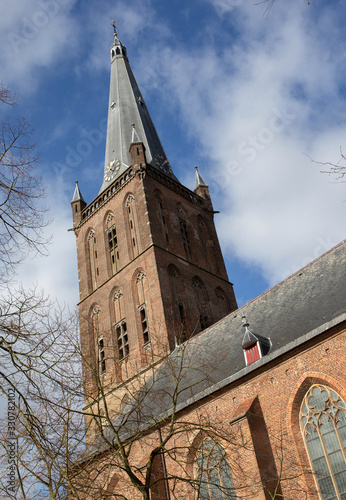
126 110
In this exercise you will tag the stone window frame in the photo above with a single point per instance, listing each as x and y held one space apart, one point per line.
206 464
112 241
327 411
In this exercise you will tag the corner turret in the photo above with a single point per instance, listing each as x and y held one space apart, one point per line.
202 189
78 205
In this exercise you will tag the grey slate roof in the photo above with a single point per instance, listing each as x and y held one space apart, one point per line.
127 107
302 306
77 195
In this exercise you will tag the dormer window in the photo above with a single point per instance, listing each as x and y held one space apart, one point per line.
254 346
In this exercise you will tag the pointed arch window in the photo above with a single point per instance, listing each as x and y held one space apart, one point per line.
185 237
130 206
92 249
120 327
122 340
181 333
323 424
201 302
222 302
112 242
214 475
101 353
142 305
162 217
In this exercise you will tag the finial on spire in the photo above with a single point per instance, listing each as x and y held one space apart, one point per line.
114 27
243 318
135 137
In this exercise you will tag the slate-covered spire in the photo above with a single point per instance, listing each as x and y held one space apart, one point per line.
127 107
78 204
199 181
77 195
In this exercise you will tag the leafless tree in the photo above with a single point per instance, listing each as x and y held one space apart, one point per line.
21 190
40 369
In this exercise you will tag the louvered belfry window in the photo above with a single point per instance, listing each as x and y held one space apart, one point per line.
323 424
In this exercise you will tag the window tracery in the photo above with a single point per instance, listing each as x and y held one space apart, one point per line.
112 242
323 424
201 302
214 475
130 205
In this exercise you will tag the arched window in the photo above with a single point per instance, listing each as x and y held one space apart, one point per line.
180 327
201 302
92 249
101 355
222 302
162 217
214 475
141 277
130 206
323 424
112 242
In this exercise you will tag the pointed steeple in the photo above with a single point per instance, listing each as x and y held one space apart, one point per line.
77 195
135 137
199 181
78 204
127 107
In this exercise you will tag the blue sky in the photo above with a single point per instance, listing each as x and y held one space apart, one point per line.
248 97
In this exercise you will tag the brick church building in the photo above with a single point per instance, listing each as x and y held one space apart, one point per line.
187 395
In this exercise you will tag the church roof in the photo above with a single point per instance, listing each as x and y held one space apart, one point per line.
303 306
126 109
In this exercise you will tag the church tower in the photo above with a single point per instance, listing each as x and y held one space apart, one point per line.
151 271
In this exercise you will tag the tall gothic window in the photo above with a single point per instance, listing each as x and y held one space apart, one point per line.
130 207
214 475
101 356
222 302
122 340
185 237
93 258
201 302
112 242
323 424
142 305
162 218
181 333
121 336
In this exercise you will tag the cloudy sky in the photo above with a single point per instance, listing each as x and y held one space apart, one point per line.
250 97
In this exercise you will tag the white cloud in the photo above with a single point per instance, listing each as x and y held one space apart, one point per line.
35 34
258 108
55 274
